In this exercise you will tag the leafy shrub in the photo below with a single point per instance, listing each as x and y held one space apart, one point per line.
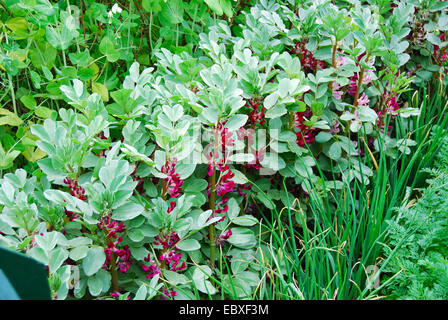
156 177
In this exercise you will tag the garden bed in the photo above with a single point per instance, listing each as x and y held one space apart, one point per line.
227 150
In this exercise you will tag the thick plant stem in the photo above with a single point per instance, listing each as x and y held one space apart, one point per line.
333 63
13 95
358 86
212 180
164 184
333 56
211 228
114 272
164 187
246 151
292 120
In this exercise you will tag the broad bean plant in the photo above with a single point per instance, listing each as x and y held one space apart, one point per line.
158 189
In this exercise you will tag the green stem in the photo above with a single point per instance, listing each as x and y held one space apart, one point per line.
63 58
358 87
211 228
114 272
150 31
13 95
291 119
212 180
11 87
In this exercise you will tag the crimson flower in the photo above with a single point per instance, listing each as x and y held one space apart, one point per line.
173 181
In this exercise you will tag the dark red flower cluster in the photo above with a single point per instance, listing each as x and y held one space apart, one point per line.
441 55
391 108
173 181
353 85
170 256
152 269
168 294
223 237
256 116
225 138
307 60
224 186
242 189
167 240
306 134
75 189
117 294
221 208
70 214
248 134
173 259
111 228
103 137
171 207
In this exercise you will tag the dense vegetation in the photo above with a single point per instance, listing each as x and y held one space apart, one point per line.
417 241
232 149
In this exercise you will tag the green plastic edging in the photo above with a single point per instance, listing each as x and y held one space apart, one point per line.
26 275
7 291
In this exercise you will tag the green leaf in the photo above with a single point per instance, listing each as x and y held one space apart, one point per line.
151 5
242 238
7 159
270 100
195 185
17 24
57 258
188 245
94 260
107 48
81 59
141 293
9 118
95 285
35 79
136 235
79 253
226 6
433 39
99 283
47 241
101 89
175 278
172 12
43 55
200 276
127 211
44 112
60 39
215 5
236 122
276 112
245 220
323 137
47 73
335 151
28 101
